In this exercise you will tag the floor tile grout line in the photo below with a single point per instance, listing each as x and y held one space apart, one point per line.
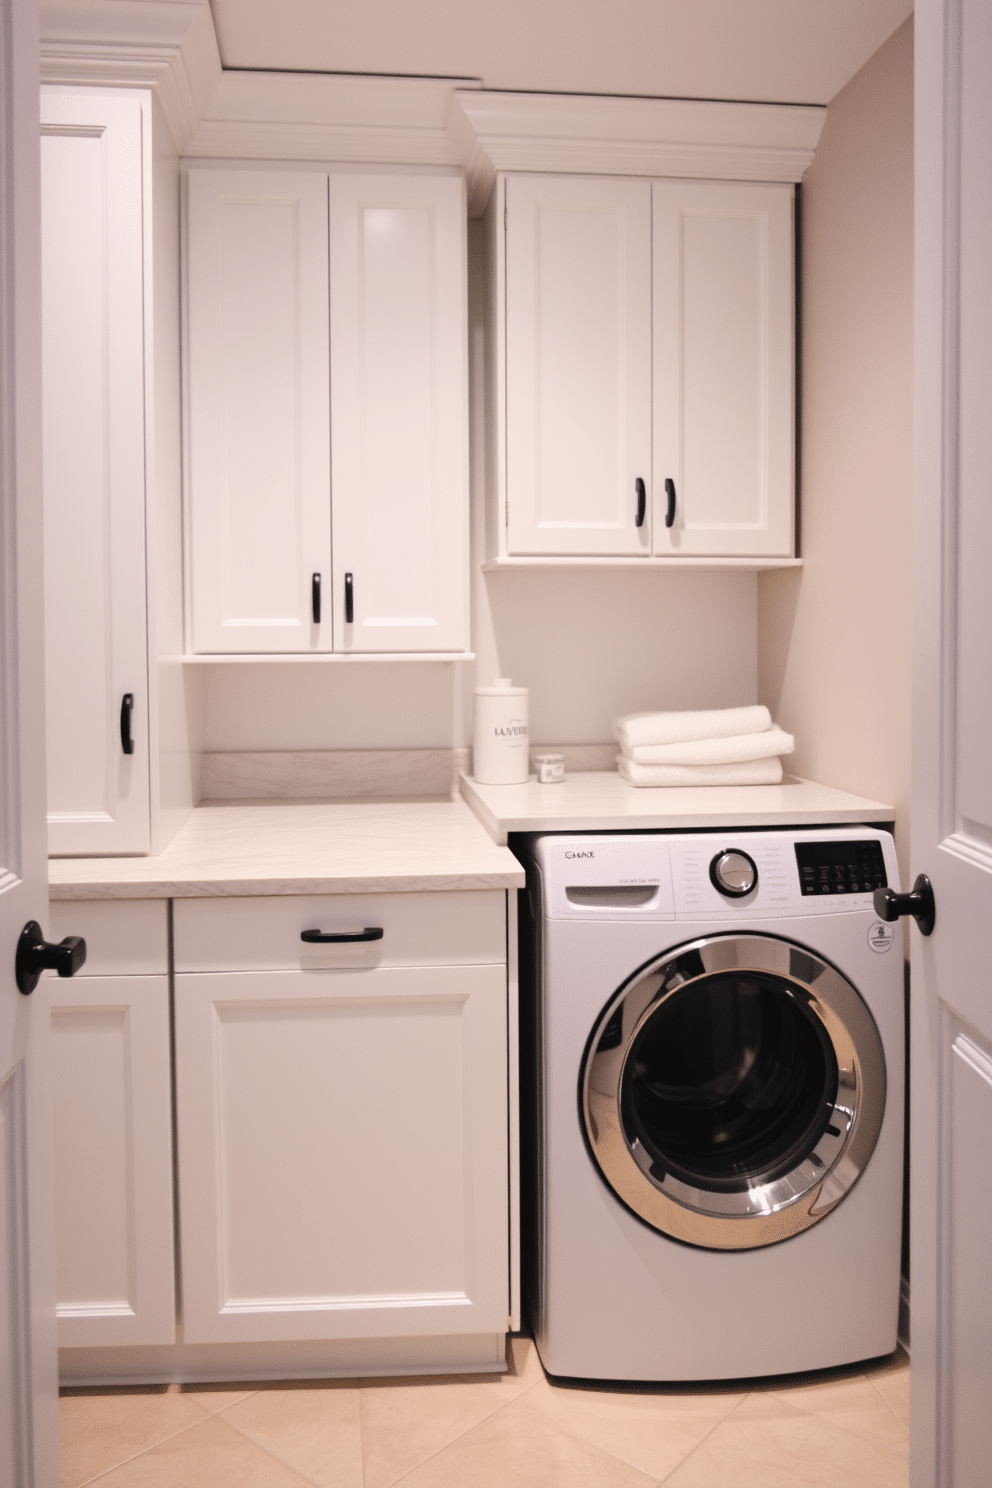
888 1407
624 1462
824 1421
135 1455
275 1455
715 1427
397 1482
828 1421
361 1434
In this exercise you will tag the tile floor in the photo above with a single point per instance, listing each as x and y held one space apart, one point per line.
846 1426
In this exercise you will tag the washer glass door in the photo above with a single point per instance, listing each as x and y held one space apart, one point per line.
733 1091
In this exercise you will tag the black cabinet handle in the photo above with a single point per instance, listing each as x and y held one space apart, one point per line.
127 708
670 493
349 599
35 954
889 905
340 937
642 502
315 598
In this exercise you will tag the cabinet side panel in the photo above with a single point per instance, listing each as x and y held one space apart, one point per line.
173 689
94 472
258 413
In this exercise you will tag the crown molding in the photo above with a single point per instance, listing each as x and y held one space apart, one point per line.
592 135
166 45
325 116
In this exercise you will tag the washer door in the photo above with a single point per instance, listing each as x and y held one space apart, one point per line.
733 1092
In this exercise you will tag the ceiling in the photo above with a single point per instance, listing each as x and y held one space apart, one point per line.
785 51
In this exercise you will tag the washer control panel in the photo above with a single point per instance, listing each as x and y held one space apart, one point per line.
731 876
840 867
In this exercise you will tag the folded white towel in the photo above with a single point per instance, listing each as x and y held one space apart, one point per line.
676 728
715 751
748 772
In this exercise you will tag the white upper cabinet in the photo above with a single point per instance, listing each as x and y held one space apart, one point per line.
643 384
327 396
93 357
578 359
258 420
723 368
399 415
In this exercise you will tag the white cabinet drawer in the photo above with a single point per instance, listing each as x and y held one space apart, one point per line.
124 937
453 929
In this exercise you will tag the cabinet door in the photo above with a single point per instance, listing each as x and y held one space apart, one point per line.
113 1159
94 471
399 412
342 1153
578 364
723 368
259 457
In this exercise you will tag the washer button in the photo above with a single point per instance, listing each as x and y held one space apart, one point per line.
733 873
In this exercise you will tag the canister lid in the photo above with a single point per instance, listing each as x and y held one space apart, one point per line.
502 687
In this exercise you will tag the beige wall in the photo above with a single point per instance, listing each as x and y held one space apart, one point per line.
834 637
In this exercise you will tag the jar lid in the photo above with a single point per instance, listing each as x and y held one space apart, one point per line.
502 687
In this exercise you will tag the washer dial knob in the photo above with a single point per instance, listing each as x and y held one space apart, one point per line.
733 873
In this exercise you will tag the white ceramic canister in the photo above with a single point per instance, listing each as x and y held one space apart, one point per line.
500 753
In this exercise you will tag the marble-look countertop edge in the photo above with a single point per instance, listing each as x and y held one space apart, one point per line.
569 815
278 847
235 888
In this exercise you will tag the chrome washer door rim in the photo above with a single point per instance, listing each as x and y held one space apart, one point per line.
763 1213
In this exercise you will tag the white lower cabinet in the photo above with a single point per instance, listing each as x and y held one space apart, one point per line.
109 1046
342 1120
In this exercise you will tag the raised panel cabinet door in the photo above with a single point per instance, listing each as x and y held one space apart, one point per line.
724 348
342 1153
399 412
115 1274
259 498
93 349
578 365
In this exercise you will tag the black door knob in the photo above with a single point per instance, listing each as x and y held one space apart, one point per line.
889 905
35 954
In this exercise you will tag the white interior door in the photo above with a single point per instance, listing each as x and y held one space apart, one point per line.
951 1201
28 1379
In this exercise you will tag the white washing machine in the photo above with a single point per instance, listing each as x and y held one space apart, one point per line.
715 1026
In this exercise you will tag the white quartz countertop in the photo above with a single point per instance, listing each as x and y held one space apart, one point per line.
601 801
302 847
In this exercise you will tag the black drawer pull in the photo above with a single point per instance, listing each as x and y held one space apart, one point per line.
670 493
339 937
349 599
127 708
642 502
315 598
